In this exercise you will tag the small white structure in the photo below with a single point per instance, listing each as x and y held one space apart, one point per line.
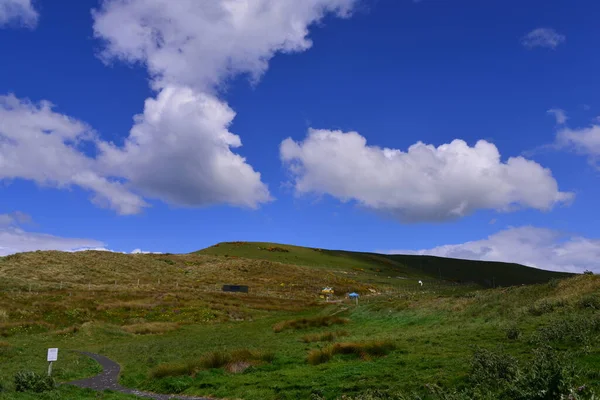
421 283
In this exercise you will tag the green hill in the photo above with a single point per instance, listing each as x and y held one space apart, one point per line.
372 267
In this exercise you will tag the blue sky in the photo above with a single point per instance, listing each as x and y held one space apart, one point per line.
314 91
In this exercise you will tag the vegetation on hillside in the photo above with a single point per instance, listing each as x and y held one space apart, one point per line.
176 332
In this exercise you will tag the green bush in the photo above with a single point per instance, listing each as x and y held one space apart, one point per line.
491 369
590 301
29 381
580 330
544 307
513 333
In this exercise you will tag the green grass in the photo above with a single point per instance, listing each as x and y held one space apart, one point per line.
378 267
193 339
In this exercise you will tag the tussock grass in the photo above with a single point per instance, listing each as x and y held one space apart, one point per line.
151 328
305 323
3 315
235 361
68 330
324 337
172 369
365 350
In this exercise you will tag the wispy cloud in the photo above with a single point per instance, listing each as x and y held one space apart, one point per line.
560 115
543 37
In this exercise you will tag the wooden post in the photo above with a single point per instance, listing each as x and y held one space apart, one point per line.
138 285
49 368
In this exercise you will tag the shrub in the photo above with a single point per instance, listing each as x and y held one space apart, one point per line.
580 330
492 369
29 381
305 323
513 333
590 301
544 307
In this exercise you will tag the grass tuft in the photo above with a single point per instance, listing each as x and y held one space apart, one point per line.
305 323
365 350
324 337
151 328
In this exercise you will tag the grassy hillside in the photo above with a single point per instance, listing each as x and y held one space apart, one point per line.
176 332
487 274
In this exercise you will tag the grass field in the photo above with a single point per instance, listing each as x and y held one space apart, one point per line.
176 332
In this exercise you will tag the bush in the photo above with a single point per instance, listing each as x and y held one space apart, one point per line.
580 330
492 369
29 381
544 307
590 301
513 333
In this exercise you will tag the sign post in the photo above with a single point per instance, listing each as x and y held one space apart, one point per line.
52 356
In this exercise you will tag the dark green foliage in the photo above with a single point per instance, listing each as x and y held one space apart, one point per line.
305 323
579 330
491 369
544 307
513 333
29 381
590 301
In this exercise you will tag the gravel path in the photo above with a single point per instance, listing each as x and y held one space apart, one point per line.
109 378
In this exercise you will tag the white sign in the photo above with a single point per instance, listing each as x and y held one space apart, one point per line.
52 354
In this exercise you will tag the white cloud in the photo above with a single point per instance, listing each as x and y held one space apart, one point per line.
423 184
140 251
18 13
40 145
560 115
179 150
202 43
543 37
585 141
535 247
15 240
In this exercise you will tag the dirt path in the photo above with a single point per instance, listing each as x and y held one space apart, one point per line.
109 380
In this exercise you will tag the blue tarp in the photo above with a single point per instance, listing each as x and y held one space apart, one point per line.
353 295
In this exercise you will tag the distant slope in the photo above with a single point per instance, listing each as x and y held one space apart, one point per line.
484 273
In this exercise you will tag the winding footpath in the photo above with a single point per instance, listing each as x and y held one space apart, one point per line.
109 380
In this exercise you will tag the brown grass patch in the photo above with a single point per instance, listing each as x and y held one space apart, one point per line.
172 369
151 328
4 344
67 331
235 361
324 337
305 323
366 351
